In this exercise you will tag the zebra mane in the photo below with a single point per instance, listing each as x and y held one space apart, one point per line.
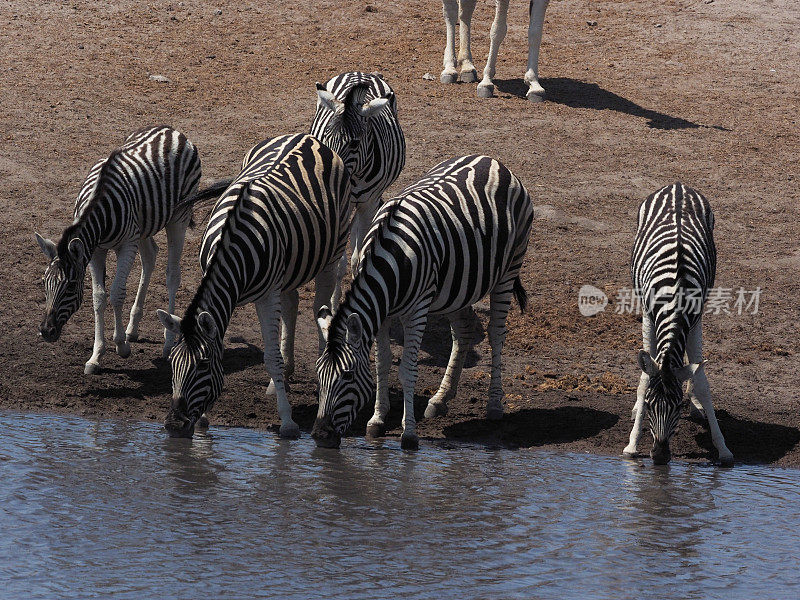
189 321
99 191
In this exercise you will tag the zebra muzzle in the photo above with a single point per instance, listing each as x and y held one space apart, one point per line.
324 434
178 424
48 331
660 453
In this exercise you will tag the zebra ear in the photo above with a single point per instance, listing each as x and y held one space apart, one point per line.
77 249
47 246
374 106
170 322
647 364
206 323
354 330
330 102
687 372
324 318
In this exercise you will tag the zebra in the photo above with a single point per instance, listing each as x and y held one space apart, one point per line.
462 10
139 189
283 221
673 265
356 117
458 234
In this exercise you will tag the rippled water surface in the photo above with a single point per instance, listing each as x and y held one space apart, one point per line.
117 509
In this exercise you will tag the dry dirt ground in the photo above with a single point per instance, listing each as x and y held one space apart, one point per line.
691 90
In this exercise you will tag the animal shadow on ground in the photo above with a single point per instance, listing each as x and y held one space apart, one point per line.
579 94
535 426
751 442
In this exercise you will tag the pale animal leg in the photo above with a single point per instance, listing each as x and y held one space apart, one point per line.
449 72
126 254
97 269
639 412
468 72
537 10
462 328
413 328
496 35
147 253
376 427
176 235
499 305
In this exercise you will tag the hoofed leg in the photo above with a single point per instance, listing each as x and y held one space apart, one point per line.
376 427
499 305
97 269
468 72
537 10
324 284
496 35
269 315
147 253
125 257
289 303
639 408
462 328
362 219
176 235
700 387
449 73
413 328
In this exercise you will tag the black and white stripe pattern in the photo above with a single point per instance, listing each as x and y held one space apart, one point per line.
357 117
673 266
282 222
140 189
445 242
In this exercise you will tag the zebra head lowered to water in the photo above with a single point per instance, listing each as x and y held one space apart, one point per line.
141 188
283 221
458 234
673 266
356 117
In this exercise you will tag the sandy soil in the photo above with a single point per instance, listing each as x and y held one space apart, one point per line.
654 92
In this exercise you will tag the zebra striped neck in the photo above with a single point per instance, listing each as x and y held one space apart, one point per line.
218 294
365 304
87 229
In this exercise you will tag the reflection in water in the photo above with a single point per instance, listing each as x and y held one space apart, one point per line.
120 509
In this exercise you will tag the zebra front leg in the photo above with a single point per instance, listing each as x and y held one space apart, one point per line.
639 412
147 252
376 426
468 72
700 388
413 328
499 305
289 303
269 315
449 73
126 254
496 35
462 330
176 236
97 269
537 10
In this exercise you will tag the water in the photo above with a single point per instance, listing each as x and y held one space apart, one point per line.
116 509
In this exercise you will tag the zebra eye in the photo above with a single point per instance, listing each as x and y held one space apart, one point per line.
347 376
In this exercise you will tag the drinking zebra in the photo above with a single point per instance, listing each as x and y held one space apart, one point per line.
673 266
440 246
140 189
357 118
282 222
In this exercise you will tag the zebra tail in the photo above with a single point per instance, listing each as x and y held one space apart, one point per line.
211 192
520 294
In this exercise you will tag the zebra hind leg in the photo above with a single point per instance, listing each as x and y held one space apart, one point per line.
462 328
289 303
147 253
499 303
126 254
269 315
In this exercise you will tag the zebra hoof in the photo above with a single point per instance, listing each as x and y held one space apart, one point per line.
132 337
486 90
124 349
470 76
435 409
409 441
726 461
290 431
448 77
628 455
534 96
494 413
376 430
91 368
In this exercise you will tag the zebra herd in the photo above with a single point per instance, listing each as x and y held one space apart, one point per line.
458 234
